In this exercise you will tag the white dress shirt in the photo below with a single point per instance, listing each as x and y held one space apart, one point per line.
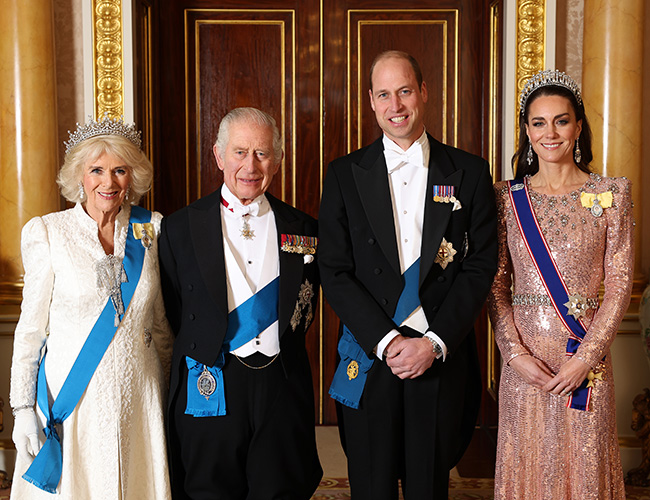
407 175
251 263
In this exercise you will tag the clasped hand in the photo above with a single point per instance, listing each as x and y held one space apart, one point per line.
536 373
409 357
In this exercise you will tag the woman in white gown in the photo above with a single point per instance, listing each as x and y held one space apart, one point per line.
92 281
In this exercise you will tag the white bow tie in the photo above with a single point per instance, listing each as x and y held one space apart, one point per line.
395 159
239 209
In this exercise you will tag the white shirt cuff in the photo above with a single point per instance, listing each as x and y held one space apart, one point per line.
383 343
433 336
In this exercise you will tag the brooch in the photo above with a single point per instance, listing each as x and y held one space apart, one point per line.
596 202
445 254
295 243
144 232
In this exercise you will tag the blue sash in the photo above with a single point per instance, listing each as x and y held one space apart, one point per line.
45 471
551 279
245 323
352 372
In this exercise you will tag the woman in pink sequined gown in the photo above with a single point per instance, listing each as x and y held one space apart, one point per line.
546 450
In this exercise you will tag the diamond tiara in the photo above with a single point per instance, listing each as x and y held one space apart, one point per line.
547 78
105 126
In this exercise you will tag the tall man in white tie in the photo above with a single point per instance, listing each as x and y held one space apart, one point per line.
407 253
240 285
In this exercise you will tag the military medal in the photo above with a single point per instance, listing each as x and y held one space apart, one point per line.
206 384
246 231
445 254
444 194
596 208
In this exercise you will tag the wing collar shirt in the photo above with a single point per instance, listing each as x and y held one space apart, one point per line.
407 175
251 263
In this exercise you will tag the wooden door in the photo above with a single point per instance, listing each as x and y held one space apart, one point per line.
306 63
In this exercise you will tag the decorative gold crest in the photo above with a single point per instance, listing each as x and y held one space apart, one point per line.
144 232
353 370
577 306
446 254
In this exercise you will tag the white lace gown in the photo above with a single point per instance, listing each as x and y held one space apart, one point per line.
114 441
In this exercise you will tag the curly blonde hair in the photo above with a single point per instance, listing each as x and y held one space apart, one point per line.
71 173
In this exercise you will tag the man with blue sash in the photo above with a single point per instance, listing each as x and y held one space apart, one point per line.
407 253
240 285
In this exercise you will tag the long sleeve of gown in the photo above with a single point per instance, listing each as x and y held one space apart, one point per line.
500 297
618 270
31 331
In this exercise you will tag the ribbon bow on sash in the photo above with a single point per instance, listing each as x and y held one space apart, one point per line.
352 371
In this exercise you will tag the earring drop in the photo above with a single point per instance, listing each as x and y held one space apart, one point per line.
82 193
529 155
577 154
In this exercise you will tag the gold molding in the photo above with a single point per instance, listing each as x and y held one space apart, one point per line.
531 47
493 363
283 118
108 84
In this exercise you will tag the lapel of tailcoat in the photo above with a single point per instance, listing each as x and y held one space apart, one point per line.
436 215
371 178
291 264
207 239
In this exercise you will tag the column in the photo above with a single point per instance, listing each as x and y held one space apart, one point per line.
612 81
28 130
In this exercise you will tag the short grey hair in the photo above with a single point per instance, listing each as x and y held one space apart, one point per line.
254 115
72 171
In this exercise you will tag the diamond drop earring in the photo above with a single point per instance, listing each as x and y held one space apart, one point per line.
82 193
529 155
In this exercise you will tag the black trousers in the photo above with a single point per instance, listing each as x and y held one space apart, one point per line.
263 449
392 436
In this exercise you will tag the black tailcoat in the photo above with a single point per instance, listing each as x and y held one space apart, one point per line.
361 278
193 277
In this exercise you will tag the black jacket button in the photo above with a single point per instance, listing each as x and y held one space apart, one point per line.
377 270
384 301
192 345
192 316
441 279
371 241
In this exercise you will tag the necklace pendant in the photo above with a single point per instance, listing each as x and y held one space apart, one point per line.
246 231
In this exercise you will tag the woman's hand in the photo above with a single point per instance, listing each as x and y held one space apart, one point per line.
569 378
532 370
25 434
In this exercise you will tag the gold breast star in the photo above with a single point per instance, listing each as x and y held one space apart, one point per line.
445 254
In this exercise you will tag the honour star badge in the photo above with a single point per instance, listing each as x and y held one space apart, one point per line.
577 306
353 370
446 254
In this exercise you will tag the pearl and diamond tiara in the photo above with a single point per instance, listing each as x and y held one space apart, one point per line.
547 78
104 126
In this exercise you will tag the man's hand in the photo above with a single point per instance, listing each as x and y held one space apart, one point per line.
409 357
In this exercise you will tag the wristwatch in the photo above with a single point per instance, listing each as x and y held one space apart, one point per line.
437 350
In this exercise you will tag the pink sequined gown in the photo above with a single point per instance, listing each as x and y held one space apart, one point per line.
545 450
